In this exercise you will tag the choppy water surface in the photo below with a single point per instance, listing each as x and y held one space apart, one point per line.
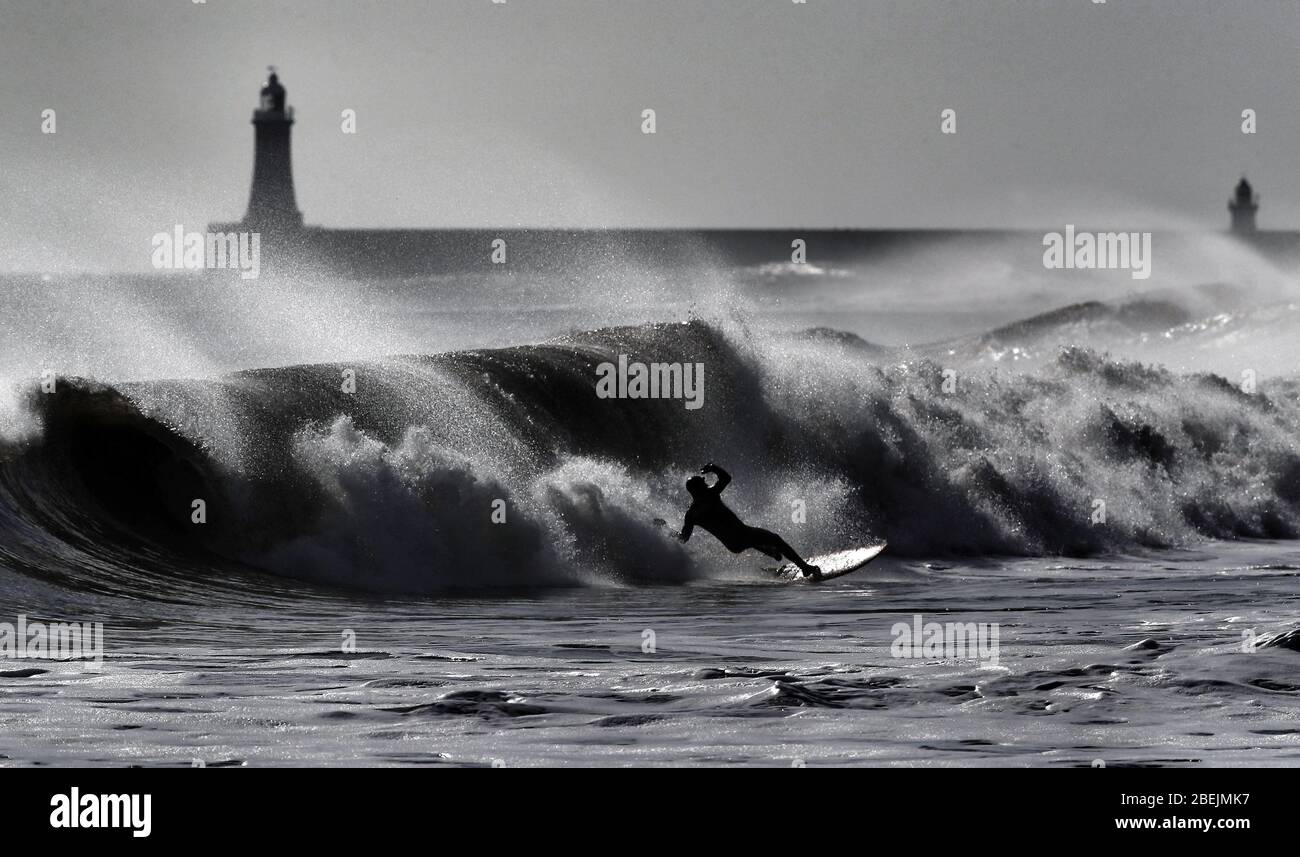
1135 661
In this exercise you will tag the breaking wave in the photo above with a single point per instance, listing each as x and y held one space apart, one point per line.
501 468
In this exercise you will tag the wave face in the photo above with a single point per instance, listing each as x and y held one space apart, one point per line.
502 468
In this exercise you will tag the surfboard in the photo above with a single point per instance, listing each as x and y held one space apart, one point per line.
832 565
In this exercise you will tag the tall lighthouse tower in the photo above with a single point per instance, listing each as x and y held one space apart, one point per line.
1243 206
271 204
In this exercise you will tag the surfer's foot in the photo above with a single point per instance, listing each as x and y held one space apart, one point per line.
812 571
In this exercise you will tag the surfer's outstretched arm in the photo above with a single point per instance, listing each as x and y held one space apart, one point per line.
688 526
724 478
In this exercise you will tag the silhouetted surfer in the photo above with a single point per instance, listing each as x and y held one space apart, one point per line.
710 514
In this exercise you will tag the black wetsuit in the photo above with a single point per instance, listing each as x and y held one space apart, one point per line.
710 514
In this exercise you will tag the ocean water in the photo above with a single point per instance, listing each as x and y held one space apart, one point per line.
1130 661
455 561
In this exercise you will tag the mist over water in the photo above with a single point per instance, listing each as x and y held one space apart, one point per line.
200 324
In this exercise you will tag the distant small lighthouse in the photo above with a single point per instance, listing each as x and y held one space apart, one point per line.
271 204
1243 206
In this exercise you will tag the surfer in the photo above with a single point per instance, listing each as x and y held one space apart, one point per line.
710 514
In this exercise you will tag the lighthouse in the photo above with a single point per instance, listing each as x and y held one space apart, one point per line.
1243 206
271 203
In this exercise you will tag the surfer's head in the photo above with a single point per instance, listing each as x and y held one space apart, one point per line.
696 485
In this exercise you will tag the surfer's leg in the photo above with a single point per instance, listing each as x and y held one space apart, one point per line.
774 546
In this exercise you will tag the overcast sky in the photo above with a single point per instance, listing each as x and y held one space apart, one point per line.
770 113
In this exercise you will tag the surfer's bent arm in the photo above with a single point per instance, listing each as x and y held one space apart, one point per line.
688 526
724 478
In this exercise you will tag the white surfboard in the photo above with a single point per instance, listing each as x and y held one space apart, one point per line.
832 564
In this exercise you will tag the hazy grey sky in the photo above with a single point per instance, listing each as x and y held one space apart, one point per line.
770 113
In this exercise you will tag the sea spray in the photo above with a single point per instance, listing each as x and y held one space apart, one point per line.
501 468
